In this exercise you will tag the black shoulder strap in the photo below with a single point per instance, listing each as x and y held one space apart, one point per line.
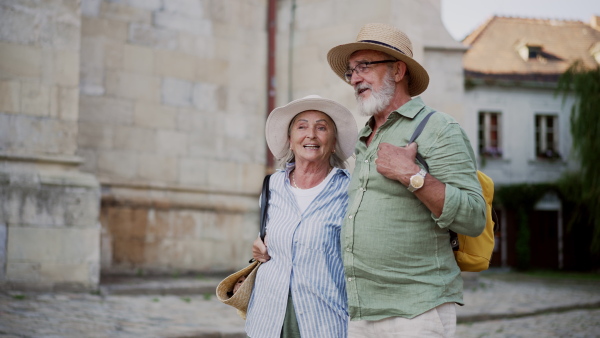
416 134
264 205
420 127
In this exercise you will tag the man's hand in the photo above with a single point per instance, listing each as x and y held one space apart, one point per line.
259 250
397 163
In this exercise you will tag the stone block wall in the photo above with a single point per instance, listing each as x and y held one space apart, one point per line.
162 103
39 69
172 111
319 25
49 230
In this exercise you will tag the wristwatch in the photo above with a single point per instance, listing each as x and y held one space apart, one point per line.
417 180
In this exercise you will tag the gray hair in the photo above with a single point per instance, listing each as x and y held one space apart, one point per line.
334 160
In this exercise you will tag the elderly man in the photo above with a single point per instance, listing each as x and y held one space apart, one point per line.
401 276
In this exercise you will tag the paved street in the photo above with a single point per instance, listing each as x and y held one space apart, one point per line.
498 305
513 305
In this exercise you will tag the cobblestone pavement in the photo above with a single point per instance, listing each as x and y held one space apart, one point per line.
514 305
498 305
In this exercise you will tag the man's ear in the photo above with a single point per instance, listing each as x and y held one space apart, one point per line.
400 71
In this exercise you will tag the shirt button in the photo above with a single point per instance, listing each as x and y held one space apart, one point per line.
366 161
350 279
348 249
350 216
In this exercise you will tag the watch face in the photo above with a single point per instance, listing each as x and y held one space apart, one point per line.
417 181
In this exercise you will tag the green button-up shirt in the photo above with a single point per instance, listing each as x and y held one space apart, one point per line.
397 255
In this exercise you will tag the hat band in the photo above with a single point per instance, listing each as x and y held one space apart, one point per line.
383 44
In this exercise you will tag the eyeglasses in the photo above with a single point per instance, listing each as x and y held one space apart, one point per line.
363 68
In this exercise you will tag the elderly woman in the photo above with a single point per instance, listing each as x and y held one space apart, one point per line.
300 291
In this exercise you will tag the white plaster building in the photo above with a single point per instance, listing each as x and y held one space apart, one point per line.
519 128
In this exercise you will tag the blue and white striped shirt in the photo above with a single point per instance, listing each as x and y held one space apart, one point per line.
305 259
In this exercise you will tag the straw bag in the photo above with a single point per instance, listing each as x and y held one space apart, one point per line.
241 298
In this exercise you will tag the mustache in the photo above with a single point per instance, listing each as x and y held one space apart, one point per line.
360 87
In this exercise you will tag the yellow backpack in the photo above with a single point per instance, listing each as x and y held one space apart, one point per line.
472 253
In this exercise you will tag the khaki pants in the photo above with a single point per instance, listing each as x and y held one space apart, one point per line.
437 322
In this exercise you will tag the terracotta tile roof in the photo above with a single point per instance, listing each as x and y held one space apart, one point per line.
494 48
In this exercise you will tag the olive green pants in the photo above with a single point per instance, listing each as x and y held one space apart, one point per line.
290 323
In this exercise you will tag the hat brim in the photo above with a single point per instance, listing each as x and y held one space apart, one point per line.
277 125
338 60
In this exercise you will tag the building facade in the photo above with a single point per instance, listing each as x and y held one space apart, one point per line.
132 131
49 229
518 125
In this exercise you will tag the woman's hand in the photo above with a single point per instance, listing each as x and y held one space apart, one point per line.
259 250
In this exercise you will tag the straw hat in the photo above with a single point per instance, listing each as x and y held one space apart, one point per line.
384 38
241 298
279 120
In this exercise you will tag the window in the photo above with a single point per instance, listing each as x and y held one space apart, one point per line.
546 136
531 50
534 51
489 134
595 51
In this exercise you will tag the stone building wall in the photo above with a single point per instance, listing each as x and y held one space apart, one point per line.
162 104
49 226
172 112
319 25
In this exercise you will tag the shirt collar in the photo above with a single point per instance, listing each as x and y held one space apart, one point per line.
290 166
410 109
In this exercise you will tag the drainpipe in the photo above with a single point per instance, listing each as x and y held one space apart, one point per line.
291 50
271 91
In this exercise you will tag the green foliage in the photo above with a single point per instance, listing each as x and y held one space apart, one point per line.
584 84
523 248
522 198
571 186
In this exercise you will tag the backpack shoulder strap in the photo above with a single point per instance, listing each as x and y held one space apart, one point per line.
453 235
416 134
420 128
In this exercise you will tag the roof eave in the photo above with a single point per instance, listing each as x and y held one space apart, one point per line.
546 81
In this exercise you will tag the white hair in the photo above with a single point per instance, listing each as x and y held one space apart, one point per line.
378 100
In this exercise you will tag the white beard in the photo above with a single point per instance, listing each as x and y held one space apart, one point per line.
378 100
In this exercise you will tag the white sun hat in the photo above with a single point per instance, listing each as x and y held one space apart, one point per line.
279 120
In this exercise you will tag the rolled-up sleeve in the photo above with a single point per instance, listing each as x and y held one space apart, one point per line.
451 160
